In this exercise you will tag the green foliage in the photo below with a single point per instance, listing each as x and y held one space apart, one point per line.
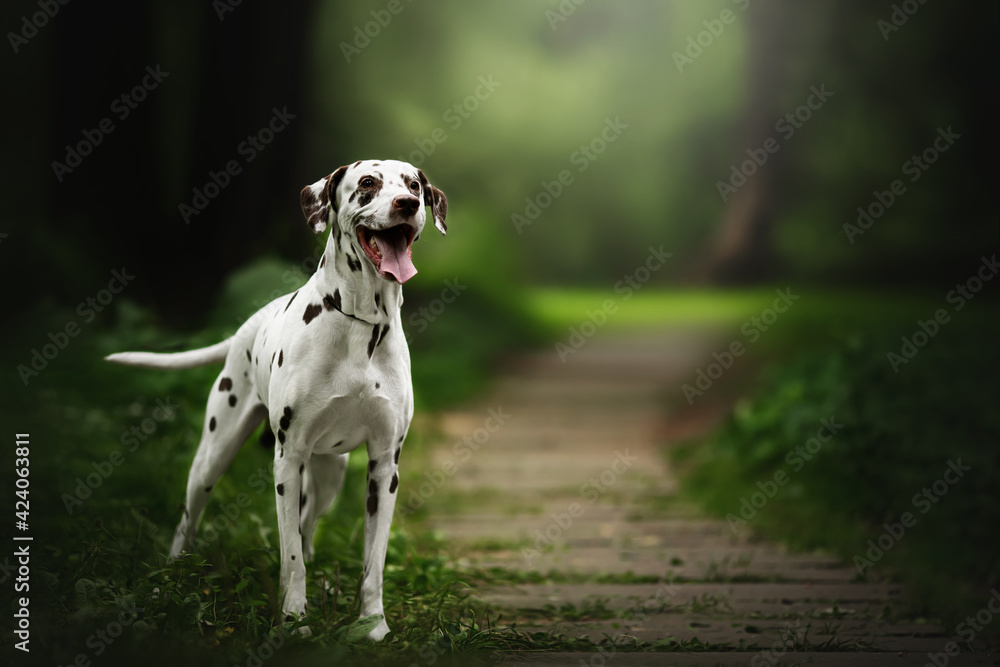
900 431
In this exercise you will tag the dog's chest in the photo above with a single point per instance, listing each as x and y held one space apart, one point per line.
349 380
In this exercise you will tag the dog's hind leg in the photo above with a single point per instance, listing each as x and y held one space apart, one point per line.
324 476
231 416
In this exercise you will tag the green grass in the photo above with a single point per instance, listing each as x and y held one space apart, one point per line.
561 308
816 309
100 547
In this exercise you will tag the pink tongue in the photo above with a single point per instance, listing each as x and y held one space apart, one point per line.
395 255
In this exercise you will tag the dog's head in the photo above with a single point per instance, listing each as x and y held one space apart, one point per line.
378 206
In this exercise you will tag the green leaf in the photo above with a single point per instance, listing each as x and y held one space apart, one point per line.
242 584
86 593
191 609
360 628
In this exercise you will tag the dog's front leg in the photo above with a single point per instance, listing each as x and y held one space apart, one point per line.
383 480
288 469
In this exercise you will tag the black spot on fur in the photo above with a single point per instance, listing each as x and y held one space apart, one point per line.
281 357
353 263
286 418
372 497
312 310
208 489
385 328
295 294
377 385
232 400
378 297
281 489
302 501
267 436
332 302
302 467
401 437
293 556
211 424
373 342
372 465
339 443
225 384
273 354
249 358
281 437
396 458
394 483
366 195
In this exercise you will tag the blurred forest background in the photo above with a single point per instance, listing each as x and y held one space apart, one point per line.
561 71
757 141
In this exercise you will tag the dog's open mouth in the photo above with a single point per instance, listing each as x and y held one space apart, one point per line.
389 251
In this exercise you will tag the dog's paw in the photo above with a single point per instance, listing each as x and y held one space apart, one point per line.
290 620
378 632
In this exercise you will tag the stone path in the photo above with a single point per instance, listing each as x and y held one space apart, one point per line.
575 482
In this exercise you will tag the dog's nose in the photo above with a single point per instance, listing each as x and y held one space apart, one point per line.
406 204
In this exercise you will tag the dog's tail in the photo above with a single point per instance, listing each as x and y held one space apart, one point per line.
189 359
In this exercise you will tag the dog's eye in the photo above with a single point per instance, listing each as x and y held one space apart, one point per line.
367 182
415 186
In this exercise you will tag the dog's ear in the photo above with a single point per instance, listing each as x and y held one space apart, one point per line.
319 199
437 201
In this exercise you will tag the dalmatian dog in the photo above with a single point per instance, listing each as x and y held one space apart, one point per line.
329 369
